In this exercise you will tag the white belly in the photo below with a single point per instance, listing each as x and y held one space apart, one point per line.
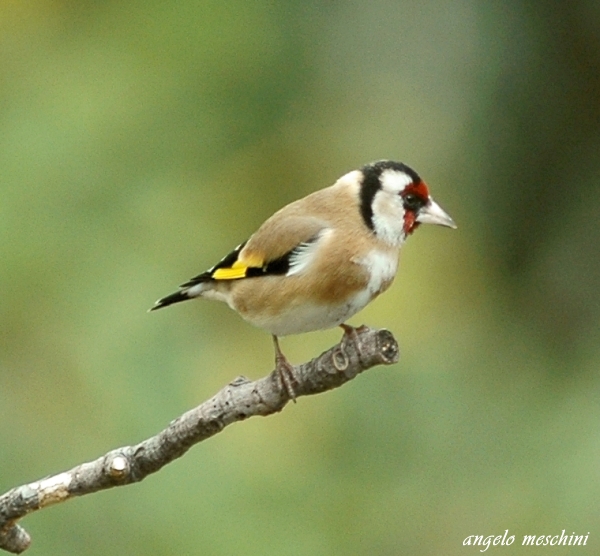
307 318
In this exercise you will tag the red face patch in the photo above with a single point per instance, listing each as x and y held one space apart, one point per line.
418 189
416 195
410 222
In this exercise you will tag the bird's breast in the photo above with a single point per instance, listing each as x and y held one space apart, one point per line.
381 267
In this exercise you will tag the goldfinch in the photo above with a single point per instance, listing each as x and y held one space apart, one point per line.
321 259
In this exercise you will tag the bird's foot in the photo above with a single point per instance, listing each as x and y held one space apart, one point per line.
351 335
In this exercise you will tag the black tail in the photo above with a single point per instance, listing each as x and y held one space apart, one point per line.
170 299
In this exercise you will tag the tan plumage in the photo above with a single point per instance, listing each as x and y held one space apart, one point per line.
335 274
320 259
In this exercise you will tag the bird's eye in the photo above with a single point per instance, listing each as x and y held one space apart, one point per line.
412 201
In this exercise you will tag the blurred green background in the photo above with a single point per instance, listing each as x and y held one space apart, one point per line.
141 141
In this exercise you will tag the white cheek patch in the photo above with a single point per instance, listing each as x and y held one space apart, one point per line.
388 209
388 218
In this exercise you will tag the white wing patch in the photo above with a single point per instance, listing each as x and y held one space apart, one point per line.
303 255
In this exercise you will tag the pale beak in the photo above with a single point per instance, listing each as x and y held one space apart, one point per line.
432 213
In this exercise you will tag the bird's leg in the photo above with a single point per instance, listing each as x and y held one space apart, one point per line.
285 370
352 334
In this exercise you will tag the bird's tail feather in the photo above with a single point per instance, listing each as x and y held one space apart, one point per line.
181 295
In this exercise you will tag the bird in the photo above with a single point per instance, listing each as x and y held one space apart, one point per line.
321 259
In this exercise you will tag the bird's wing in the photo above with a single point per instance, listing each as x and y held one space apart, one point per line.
282 246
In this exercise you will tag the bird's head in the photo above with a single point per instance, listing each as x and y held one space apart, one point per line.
394 200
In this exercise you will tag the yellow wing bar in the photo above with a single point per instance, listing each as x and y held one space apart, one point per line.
239 269
230 273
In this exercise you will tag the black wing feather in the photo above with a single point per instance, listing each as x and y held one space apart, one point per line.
277 266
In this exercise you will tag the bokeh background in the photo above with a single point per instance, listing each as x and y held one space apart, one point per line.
141 141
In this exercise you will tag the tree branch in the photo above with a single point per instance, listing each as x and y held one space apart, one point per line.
359 350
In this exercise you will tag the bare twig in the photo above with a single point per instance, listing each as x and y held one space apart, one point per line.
359 350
